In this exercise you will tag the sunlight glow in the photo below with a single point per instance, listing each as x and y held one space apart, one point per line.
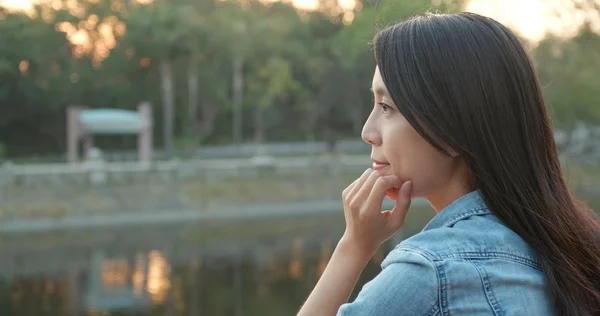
24 66
21 5
306 4
158 277
529 19
347 4
534 19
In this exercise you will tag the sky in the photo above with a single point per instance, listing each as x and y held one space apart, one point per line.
311 4
531 18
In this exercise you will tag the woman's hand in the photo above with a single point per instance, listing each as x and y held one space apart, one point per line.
367 227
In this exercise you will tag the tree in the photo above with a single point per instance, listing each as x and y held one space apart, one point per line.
34 72
569 73
161 31
274 80
221 70
567 66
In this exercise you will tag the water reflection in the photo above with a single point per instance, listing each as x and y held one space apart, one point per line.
159 281
265 267
169 271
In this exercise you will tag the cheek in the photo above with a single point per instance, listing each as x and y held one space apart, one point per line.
412 158
404 151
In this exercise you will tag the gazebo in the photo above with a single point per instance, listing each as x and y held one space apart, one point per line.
84 123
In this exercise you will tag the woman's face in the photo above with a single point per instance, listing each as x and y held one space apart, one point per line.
398 149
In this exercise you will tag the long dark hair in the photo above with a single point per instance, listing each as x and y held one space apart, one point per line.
465 80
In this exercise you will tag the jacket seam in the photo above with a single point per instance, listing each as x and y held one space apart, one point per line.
440 306
492 255
466 214
421 252
487 290
442 294
484 255
434 310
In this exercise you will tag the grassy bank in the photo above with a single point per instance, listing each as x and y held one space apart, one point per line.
200 194
194 194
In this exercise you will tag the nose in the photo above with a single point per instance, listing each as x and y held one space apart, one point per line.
370 134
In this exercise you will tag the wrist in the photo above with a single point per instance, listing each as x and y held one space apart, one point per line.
354 250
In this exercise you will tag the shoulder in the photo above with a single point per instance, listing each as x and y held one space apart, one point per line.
479 265
468 229
476 266
407 286
476 237
465 261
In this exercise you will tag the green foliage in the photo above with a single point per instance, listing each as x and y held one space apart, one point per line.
570 72
305 74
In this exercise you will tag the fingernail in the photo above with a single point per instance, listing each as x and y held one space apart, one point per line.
406 189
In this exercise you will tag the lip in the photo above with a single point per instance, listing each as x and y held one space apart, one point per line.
378 165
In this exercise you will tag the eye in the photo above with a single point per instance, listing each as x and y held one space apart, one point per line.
384 107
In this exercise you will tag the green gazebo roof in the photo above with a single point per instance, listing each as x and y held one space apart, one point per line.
111 121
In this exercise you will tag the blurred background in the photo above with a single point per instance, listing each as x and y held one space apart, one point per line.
187 157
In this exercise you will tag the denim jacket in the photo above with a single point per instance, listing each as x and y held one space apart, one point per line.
464 262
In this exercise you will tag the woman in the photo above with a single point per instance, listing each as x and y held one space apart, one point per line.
459 120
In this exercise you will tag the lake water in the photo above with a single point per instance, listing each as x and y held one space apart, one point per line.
258 267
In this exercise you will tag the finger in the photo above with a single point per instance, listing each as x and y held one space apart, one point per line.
398 214
363 192
379 190
348 189
359 182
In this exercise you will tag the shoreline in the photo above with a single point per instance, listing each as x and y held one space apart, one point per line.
126 219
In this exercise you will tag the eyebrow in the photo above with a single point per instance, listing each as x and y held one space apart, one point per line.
379 90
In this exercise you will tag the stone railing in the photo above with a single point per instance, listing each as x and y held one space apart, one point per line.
85 174
97 172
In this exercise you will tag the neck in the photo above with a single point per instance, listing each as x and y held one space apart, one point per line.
458 184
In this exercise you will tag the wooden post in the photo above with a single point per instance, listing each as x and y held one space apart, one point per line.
76 290
238 286
88 144
195 288
73 133
145 135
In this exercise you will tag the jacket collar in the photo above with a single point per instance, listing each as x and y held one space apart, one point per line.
467 205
